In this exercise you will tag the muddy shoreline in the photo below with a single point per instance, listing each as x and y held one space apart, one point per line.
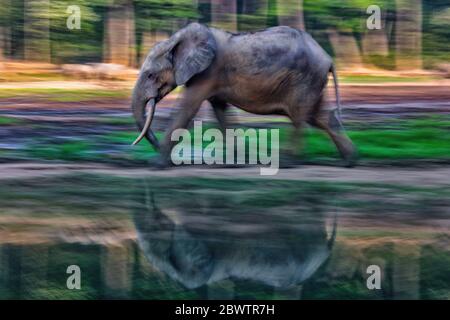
437 176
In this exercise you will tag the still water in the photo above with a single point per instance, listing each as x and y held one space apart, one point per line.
205 238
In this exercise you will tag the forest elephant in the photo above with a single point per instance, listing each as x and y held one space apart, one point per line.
279 71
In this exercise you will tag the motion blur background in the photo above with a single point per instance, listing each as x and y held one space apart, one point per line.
414 33
71 184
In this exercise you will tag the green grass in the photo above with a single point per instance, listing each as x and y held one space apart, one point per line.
408 143
117 120
381 79
141 152
412 140
64 95
9 121
71 151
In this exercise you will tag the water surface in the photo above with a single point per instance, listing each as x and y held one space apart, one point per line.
184 238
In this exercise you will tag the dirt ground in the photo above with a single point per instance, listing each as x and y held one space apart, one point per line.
438 176
351 94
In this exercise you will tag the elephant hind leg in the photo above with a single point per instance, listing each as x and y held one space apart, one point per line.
333 127
296 139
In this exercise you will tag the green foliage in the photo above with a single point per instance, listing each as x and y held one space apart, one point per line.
163 15
436 26
435 285
71 45
343 15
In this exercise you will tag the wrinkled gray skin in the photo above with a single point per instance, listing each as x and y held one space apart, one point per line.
280 252
279 70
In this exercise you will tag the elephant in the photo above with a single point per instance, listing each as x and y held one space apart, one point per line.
217 237
279 71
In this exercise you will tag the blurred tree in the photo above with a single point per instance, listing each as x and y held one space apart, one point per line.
11 22
156 19
346 49
408 31
341 28
204 11
290 13
76 45
224 14
119 34
5 28
162 15
252 14
345 24
375 42
37 30
113 30
436 32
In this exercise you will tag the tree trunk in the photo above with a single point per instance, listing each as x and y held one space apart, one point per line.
132 61
37 30
345 47
408 30
106 31
8 42
2 43
375 42
223 14
120 44
290 13
5 30
257 11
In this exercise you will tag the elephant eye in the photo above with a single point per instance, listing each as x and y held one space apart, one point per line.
153 77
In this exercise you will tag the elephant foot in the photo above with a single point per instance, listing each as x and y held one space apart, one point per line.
160 163
350 160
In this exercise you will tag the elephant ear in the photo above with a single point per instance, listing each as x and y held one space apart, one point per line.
194 52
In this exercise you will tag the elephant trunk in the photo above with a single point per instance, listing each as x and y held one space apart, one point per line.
144 111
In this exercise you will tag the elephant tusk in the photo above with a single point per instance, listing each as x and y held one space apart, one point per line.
148 122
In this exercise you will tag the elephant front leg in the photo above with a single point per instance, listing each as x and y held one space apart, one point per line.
220 108
187 109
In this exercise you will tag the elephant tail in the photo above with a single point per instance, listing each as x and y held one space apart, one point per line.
336 90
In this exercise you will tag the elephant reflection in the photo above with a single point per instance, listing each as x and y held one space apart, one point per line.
217 238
